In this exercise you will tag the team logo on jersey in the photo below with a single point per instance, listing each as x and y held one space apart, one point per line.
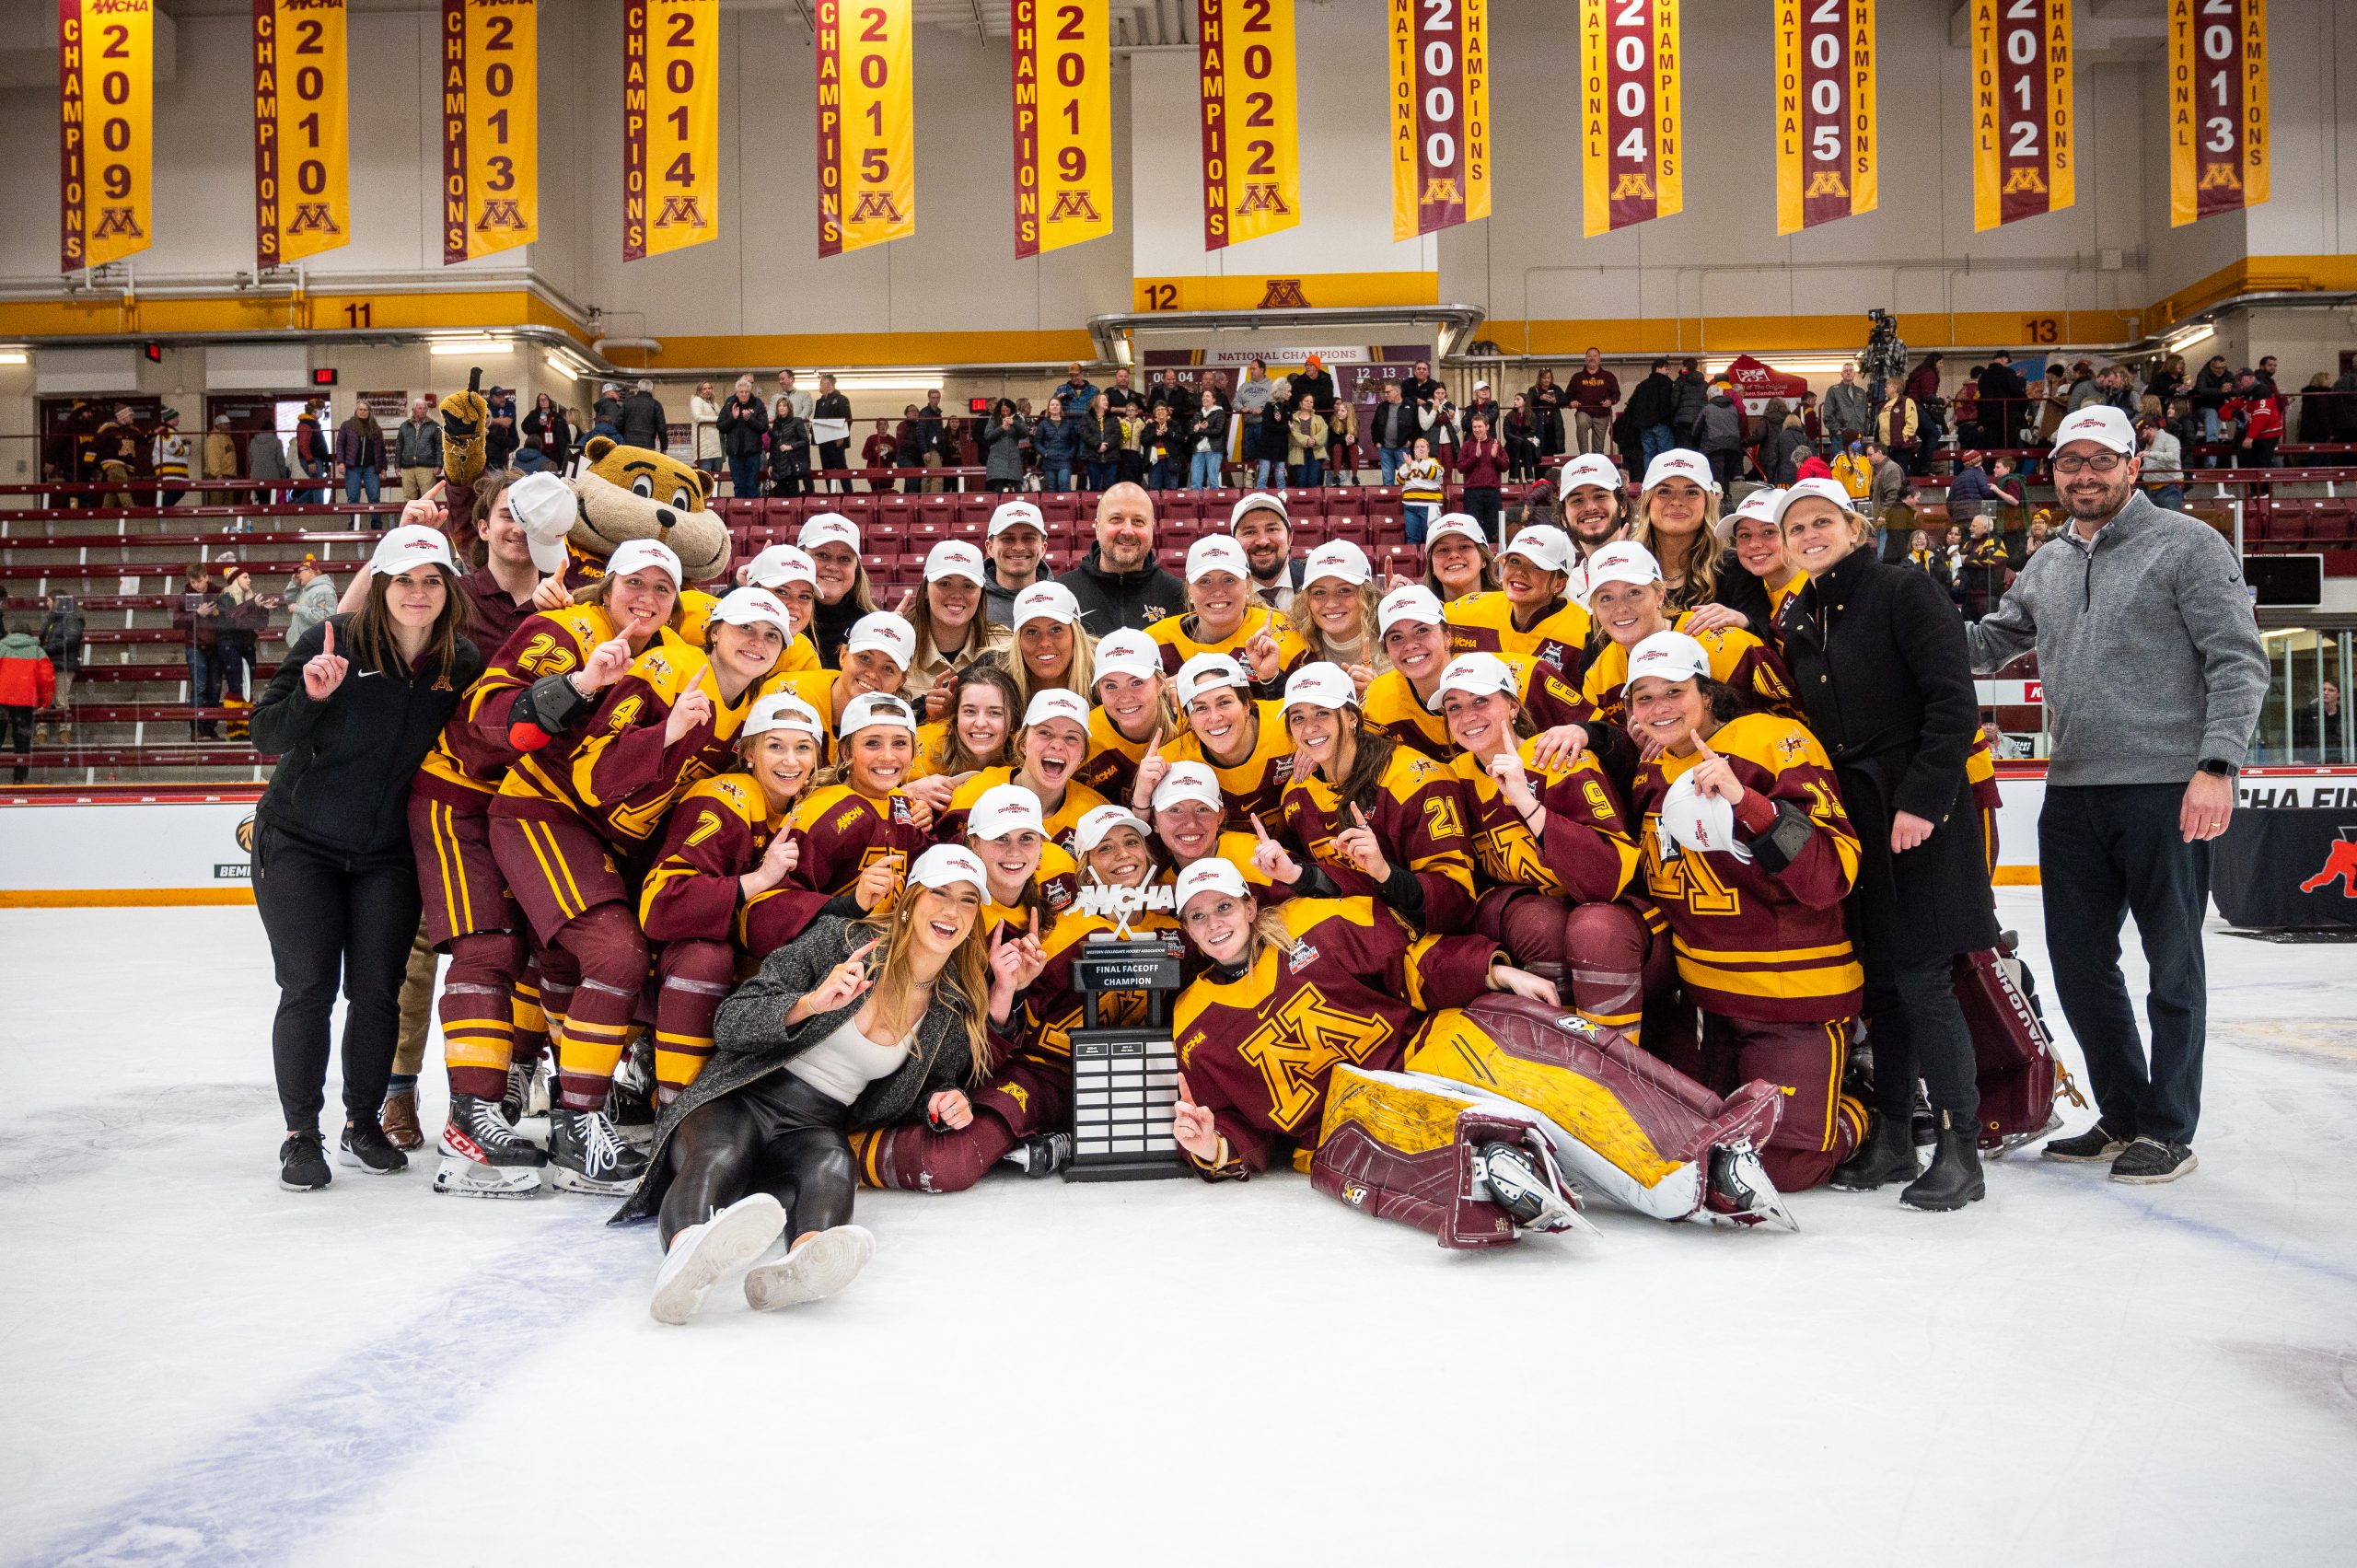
1017 1093
901 815
1790 747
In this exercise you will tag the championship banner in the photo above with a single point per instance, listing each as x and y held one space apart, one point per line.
106 83
1063 122
1632 158
491 126
1251 123
2023 152
867 125
670 125
2217 107
1440 114
1826 140
302 137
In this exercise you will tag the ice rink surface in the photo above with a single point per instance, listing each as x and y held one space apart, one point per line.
196 1367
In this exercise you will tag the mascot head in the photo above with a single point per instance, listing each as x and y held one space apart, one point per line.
628 493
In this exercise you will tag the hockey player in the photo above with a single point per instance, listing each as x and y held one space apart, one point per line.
1554 849
1191 824
1243 742
788 572
566 813
863 828
1224 612
1532 614
1631 603
1133 712
1766 579
1678 521
875 655
1749 855
1458 559
1052 650
1052 744
1415 639
1333 616
852 1026
979 732
1374 819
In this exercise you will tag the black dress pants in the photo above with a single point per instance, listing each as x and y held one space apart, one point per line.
779 1136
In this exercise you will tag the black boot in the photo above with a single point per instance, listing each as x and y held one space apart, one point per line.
1887 1155
1955 1178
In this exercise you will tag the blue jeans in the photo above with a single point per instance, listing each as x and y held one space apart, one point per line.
1202 470
1055 474
1308 475
1656 439
1268 474
2168 497
1416 516
745 474
2210 424
357 478
1390 457
1165 475
1101 476
203 685
235 662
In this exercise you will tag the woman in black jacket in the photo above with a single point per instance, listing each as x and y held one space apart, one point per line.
334 874
548 432
743 423
1878 655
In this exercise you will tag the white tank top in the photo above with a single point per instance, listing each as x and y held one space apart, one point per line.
846 1061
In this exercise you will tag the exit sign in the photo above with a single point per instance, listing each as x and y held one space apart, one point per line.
324 376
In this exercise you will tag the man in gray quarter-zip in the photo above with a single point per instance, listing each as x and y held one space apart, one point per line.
2154 674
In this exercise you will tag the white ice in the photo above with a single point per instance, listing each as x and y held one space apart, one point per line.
196 1367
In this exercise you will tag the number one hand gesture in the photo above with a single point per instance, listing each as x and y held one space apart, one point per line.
692 709
324 671
844 983
1192 1126
1359 843
1269 858
1713 776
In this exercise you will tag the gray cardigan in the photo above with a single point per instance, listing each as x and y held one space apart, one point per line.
2146 644
752 1041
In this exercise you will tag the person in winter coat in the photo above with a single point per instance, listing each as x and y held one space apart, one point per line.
1653 403
417 450
1119 585
1519 431
27 685
1392 429
1317 383
1546 404
2212 388
60 639
312 601
643 422
703 428
1719 434
1778 457
1306 438
1002 447
2004 400
220 459
1100 442
1055 437
606 413
2316 410
2258 418
1206 444
1880 663
549 433
742 423
360 447
1969 493
835 408
1694 391
1845 411
1979 567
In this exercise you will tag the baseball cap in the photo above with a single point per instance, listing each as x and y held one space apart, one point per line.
875 708
1337 558
1480 674
1189 781
1414 602
1099 820
1205 671
1046 601
1672 656
946 866
783 710
1697 821
953 558
1589 468
412 544
1211 875
1128 653
637 554
1055 702
1456 525
1679 463
545 507
1545 547
781 564
828 527
1823 489
1002 809
1011 513
1217 552
2100 423
1322 685
1257 501
748 607
1624 560
1760 504
883 632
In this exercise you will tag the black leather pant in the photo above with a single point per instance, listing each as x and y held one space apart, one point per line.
779 1136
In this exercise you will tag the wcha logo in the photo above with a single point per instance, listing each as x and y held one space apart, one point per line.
875 207
1261 201
312 217
680 212
1283 294
1073 207
2340 865
1121 905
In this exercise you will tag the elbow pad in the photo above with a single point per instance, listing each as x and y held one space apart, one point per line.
1783 843
547 709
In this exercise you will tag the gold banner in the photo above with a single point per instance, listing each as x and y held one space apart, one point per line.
2025 153
1063 122
302 131
106 82
2218 154
1826 138
1251 122
670 125
1440 114
491 126
867 124
1632 153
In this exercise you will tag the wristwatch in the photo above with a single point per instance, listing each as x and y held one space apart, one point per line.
2217 767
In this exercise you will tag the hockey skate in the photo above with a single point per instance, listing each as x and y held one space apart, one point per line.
482 1155
525 1096
1042 1153
630 1106
700 1254
812 1271
1526 1186
586 1156
1741 1193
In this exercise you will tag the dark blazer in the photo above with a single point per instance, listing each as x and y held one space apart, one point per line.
751 1041
1878 659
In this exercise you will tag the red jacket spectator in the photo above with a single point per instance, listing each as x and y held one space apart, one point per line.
27 678
1593 391
2261 418
1483 463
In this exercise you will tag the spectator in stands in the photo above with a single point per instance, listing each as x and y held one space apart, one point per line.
1002 446
2168 380
1593 392
173 459
789 438
2316 411
1342 443
549 434
1485 404
1393 430
1846 413
739 425
2212 388
1887 479
1922 389
2117 388
220 459
1921 556
417 450
2004 401
882 449
2319 732
2077 389
2041 533
1979 565
1305 443
1777 458
266 459
1719 434
1264 529
1856 474
1318 382
606 412
1118 584
2008 491
1055 438
243 614
2162 467
1482 462
1076 392
643 422
1121 396
703 428
1099 437
2266 376
500 438
1804 420
307 455
1899 425
1016 545
27 685
62 631
2344 406
1547 402
1518 428
2257 417
119 446
1423 489
311 599
1253 395
1970 490
1653 408
1809 463
1694 391
2155 681
1966 408
198 615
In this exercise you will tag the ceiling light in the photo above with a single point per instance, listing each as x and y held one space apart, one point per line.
566 364
472 345
2186 337
14 356
901 381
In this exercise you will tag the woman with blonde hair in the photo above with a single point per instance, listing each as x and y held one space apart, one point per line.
1224 611
1630 603
1134 714
951 628
831 540
1051 651
1678 521
853 1025
703 418
1333 616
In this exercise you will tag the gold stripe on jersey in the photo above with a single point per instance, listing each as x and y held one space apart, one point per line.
1172 631
1738 659
1255 786
1112 765
560 643
1391 707
1062 824
737 794
1483 622
1504 845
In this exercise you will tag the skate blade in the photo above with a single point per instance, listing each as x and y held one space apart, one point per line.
812 1271
567 1179
736 1235
466 1179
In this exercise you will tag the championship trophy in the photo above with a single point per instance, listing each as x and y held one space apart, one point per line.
1125 1076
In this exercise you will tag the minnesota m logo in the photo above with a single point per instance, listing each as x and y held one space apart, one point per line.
312 217
2220 177
1073 206
1634 186
1826 182
875 207
2024 179
1282 294
1442 190
680 210
116 221
499 213
1261 200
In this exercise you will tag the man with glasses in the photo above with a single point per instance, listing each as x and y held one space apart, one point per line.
2154 674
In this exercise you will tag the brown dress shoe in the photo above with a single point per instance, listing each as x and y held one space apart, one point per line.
400 1121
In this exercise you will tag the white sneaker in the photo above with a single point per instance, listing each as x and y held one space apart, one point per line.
812 1271
702 1253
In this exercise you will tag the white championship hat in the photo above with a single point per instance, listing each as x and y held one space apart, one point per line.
1189 781
1210 875
1821 489
828 527
781 564
1322 685
873 708
1414 603
1588 468
1623 561
1762 504
1671 655
1011 514
411 544
1679 463
1046 601
637 554
2100 423
1099 820
1055 702
1002 809
1128 653
783 710
1690 819
946 866
1544 546
1337 558
1217 552
1479 674
954 558
546 507
1206 671
750 606
885 632
1258 501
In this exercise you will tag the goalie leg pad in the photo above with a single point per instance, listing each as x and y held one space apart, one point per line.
1408 1149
